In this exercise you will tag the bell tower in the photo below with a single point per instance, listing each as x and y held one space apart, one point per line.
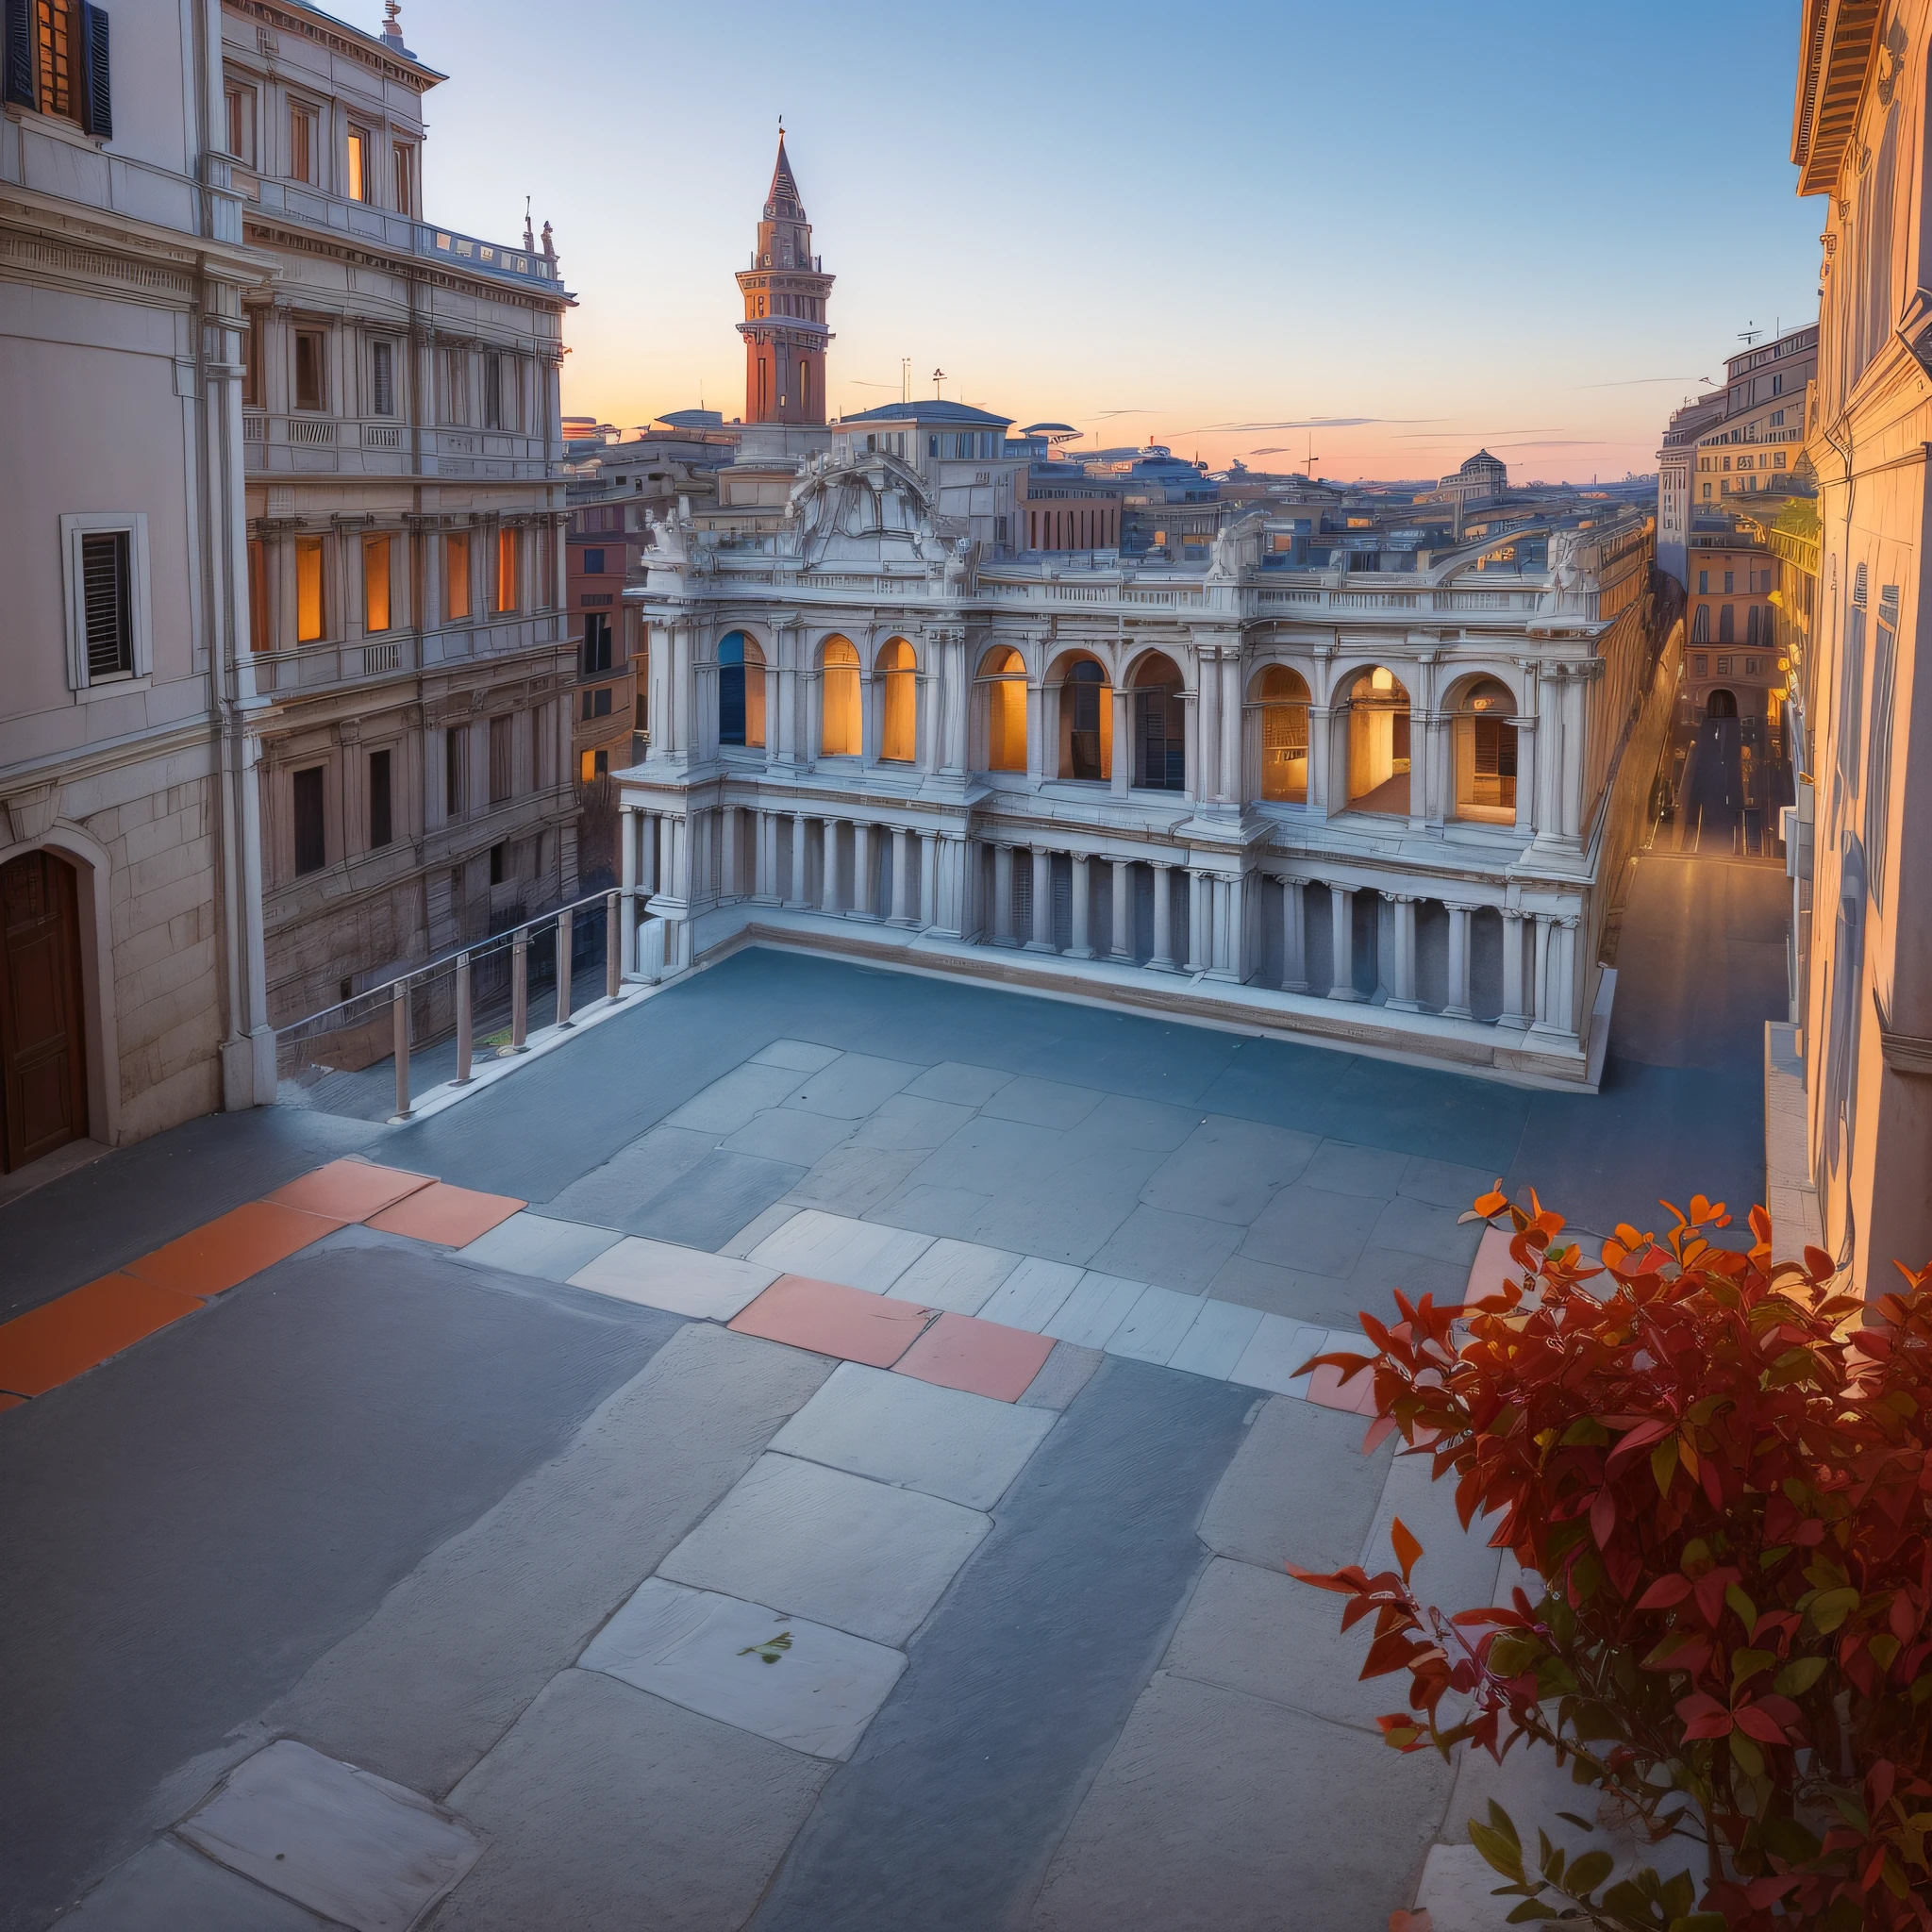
784 325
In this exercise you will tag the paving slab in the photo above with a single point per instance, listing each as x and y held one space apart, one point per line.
981 1358
424 1687
1216 1339
831 1318
736 1100
782 1133
1154 1326
1130 1121
1178 1251
834 1547
1063 1214
1342 1168
1274 1355
450 1217
1314 1228
1447 1183
610 1193
959 1084
1042 1103
1457 1570
1031 1295
915 1436
1067 1370
343 1843
167 1887
785 1679
529 1244
986 1157
1095 1309
1421 1227
950 1212
1299 1489
852 1086
1229 1170
958 1275
88 1325
1187 1825
705 1208
854 1180
802 1056
681 1281
607 1810
907 1120
348 1190
835 1247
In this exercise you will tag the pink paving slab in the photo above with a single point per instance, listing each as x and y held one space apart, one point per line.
982 1357
831 1320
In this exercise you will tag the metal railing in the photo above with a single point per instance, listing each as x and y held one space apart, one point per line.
438 1020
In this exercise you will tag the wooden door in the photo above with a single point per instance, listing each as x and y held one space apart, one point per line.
43 1047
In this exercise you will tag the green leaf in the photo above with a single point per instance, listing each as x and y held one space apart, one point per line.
1571 1818
1588 1871
1799 1675
1741 1605
1832 1607
1700 1922
1585 1430
1745 1753
1530 1908
1504 1854
1747 1663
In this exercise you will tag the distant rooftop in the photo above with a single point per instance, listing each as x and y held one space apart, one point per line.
929 412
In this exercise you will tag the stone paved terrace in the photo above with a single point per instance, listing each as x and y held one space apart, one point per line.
816 1450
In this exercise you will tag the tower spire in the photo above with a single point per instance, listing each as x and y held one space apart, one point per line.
785 292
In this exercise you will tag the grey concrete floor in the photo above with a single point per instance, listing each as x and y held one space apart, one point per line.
380 1498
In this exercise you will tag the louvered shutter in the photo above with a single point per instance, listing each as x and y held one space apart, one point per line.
18 80
97 92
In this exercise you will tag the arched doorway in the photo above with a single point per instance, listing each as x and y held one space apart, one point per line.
1003 678
43 1023
1086 723
1282 696
1379 743
1484 746
899 704
1160 762
1721 703
841 733
740 691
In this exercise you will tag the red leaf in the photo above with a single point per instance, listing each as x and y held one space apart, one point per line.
1757 1723
1378 1433
1407 1548
1665 1591
1603 1516
1640 1438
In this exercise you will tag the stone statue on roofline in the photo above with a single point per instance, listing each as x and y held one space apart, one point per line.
1567 573
1235 545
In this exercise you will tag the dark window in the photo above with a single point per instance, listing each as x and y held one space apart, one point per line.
596 642
497 855
601 707
253 393
311 853
1160 760
731 689
593 563
380 833
308 360
499 760
1084 684
382 371
1727 624
493 391
453 771
104 580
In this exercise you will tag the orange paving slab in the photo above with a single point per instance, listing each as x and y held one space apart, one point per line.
454 1216
982 1357
52 1343
232 1247
831 1320
349 1190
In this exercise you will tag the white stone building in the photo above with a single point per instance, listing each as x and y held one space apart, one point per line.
1382 811
131 974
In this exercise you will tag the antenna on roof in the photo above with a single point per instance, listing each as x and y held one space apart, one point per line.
904 380
939 375
1749 334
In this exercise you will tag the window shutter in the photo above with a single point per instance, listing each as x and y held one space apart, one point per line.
97 94
20 83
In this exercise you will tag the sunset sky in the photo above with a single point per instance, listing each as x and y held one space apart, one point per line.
1399 230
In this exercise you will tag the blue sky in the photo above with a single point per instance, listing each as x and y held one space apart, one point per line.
1427 226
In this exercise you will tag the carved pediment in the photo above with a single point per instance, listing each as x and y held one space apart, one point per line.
870 508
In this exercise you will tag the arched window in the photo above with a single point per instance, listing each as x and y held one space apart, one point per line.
1486 754
899 711
1004 675
1086 723
1160 762
740 691
1284 706
840 731
1379 743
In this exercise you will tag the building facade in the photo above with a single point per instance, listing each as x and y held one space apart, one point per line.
406 511
1378 810
1733 667
132 989
1859 134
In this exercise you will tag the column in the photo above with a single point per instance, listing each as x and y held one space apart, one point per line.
1122 776
627 822
1576 754
1525 773
1003 895
1229 950
1294 939
1515 1014
771 890
1036 733
1458 1007
1342 942
798 899
1321 760
1556 953
1200 919
729 829
862 871
928 880
1080 949
1540 984
830 894
1231 725
1402 973
1162 961
902 877
1040 940
1122 948
1205 773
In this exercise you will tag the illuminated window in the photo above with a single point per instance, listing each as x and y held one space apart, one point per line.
1379 743
899 708
55 49
1486 754
1004 675
309 611
740 691
840 728
358 165
1085 724
1284 705
507 570
456 574
376 613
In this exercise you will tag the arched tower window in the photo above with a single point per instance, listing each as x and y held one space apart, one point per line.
840 731
1003 675
1086 723
899 706
1486 754
1160 762
1284 706
740 691
1379 743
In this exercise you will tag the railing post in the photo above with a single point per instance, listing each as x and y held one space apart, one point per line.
399 1012
466 1038
613 947
565 922
519 991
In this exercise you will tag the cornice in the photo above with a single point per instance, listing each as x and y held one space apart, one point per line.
45 234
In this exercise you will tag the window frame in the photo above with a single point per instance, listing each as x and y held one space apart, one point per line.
240 102
356 145
382 375
311 139
296 338
381 759
320 774
73 527
402 166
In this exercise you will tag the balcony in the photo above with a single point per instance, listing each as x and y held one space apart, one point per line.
323 445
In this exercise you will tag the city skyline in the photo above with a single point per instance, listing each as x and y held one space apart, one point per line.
1104 257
